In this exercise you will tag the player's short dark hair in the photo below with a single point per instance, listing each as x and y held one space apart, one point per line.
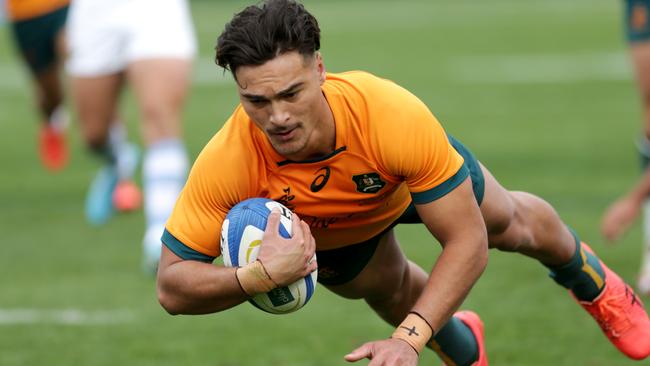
261 32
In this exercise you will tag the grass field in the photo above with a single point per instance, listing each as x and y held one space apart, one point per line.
542 91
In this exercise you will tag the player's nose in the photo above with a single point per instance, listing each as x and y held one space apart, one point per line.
279 115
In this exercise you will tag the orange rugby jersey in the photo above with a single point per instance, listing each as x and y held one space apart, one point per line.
390 149
27 9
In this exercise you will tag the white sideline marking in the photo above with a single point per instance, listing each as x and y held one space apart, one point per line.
14 75
541 68
65 316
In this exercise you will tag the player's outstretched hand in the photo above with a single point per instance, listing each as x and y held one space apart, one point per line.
388 352
618 218
287 260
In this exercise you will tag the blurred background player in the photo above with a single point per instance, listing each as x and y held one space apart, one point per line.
37 28
622 213
117 41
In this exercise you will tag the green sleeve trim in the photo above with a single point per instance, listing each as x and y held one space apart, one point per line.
441 189
182 250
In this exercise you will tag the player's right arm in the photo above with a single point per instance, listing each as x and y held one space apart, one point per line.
188 282
196 287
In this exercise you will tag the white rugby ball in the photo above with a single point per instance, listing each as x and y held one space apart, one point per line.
241 236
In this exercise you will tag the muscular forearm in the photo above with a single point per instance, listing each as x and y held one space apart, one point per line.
455 272
191 287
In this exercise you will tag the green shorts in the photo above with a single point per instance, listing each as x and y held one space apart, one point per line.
36 38
339 266
637 20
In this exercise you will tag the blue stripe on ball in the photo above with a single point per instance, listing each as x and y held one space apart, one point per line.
253 212
309 284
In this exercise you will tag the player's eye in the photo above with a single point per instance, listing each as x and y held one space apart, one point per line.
258 102
290 95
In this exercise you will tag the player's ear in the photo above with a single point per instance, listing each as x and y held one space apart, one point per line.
320 67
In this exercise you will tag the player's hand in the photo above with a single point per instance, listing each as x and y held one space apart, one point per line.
287 260
618 218
389 352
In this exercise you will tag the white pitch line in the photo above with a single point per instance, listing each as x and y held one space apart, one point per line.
13 75
65 316
541 68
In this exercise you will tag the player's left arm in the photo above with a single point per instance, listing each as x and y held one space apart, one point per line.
417 148
412 144
456 221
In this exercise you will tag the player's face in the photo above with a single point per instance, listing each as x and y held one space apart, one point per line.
284 99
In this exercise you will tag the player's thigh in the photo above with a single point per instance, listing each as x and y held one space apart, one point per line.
160 100
382 275
152 90
160 45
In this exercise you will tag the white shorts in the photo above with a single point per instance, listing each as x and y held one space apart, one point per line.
104 36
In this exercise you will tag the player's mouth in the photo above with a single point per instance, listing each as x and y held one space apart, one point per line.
284 135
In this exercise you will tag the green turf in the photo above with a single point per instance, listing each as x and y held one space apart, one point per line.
541 91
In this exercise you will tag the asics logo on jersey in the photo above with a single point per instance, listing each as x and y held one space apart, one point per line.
321 179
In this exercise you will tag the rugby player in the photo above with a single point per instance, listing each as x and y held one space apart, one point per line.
353 155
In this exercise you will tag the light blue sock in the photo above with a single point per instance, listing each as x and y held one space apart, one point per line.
164 170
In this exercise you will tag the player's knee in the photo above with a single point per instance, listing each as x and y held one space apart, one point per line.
157 116
158 125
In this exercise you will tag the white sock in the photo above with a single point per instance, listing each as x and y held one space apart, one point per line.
59 119
164 171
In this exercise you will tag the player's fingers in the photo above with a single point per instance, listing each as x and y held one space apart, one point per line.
297 228
312 265
310 242
310 248
360 353
273 223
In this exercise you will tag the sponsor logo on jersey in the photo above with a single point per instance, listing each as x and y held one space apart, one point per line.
319 222
286 199
368 182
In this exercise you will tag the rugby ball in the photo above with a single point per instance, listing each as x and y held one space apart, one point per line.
241 236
